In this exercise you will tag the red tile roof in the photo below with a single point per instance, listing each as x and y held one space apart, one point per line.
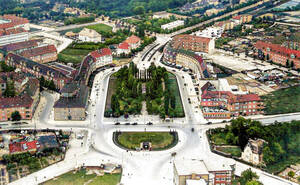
231 97
100 53
247 98
124 45
133 39
20 45
14 21
180 41
216 94
22 146
12 31
18 101
277 48
39 51
238 17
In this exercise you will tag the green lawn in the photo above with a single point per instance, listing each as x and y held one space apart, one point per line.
132 140
283 101
81 178
219 138
70 55
100 28
234 151
173 86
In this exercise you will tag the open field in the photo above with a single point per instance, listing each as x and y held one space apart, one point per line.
81 178
100 28
283 101
159 140
71 55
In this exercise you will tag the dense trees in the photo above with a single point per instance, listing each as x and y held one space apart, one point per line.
128 98
79 20
10 89
126 7
282 138
249 178
49 84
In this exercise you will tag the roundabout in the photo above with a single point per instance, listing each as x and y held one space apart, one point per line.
152 141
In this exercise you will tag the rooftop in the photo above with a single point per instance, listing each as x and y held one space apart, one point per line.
100 53
18 101
4 32
79 101
12 21
124 45
190 166
39 51
20 45
133 39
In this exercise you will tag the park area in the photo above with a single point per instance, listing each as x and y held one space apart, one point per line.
83 177
282 101
129 89
159 140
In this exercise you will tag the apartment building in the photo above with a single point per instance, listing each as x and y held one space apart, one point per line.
42 54
224 104
278 54
13 29
193 43
59 77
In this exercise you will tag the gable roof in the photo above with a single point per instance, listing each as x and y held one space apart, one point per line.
277 48
124 45
39 51
12 21
13 31
100 53
132 39
89 33
18 101
20 45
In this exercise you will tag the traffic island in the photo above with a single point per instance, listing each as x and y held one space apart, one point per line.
150 141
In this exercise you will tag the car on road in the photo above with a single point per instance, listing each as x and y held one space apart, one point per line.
185 84
173 70
117 123
127 123
209 123
135 123
149 123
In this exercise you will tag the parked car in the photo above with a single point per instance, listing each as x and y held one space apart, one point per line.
149 123
209 123
135 123
127 123
117 123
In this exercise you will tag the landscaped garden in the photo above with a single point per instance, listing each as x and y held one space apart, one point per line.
133 140
283 101
81 177
158 88
282 141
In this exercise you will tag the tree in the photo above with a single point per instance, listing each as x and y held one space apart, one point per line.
10 89
247 176
139 10
16 116
291 174
268 155
173 101
52 85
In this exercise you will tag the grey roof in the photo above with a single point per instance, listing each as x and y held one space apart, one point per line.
78 101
